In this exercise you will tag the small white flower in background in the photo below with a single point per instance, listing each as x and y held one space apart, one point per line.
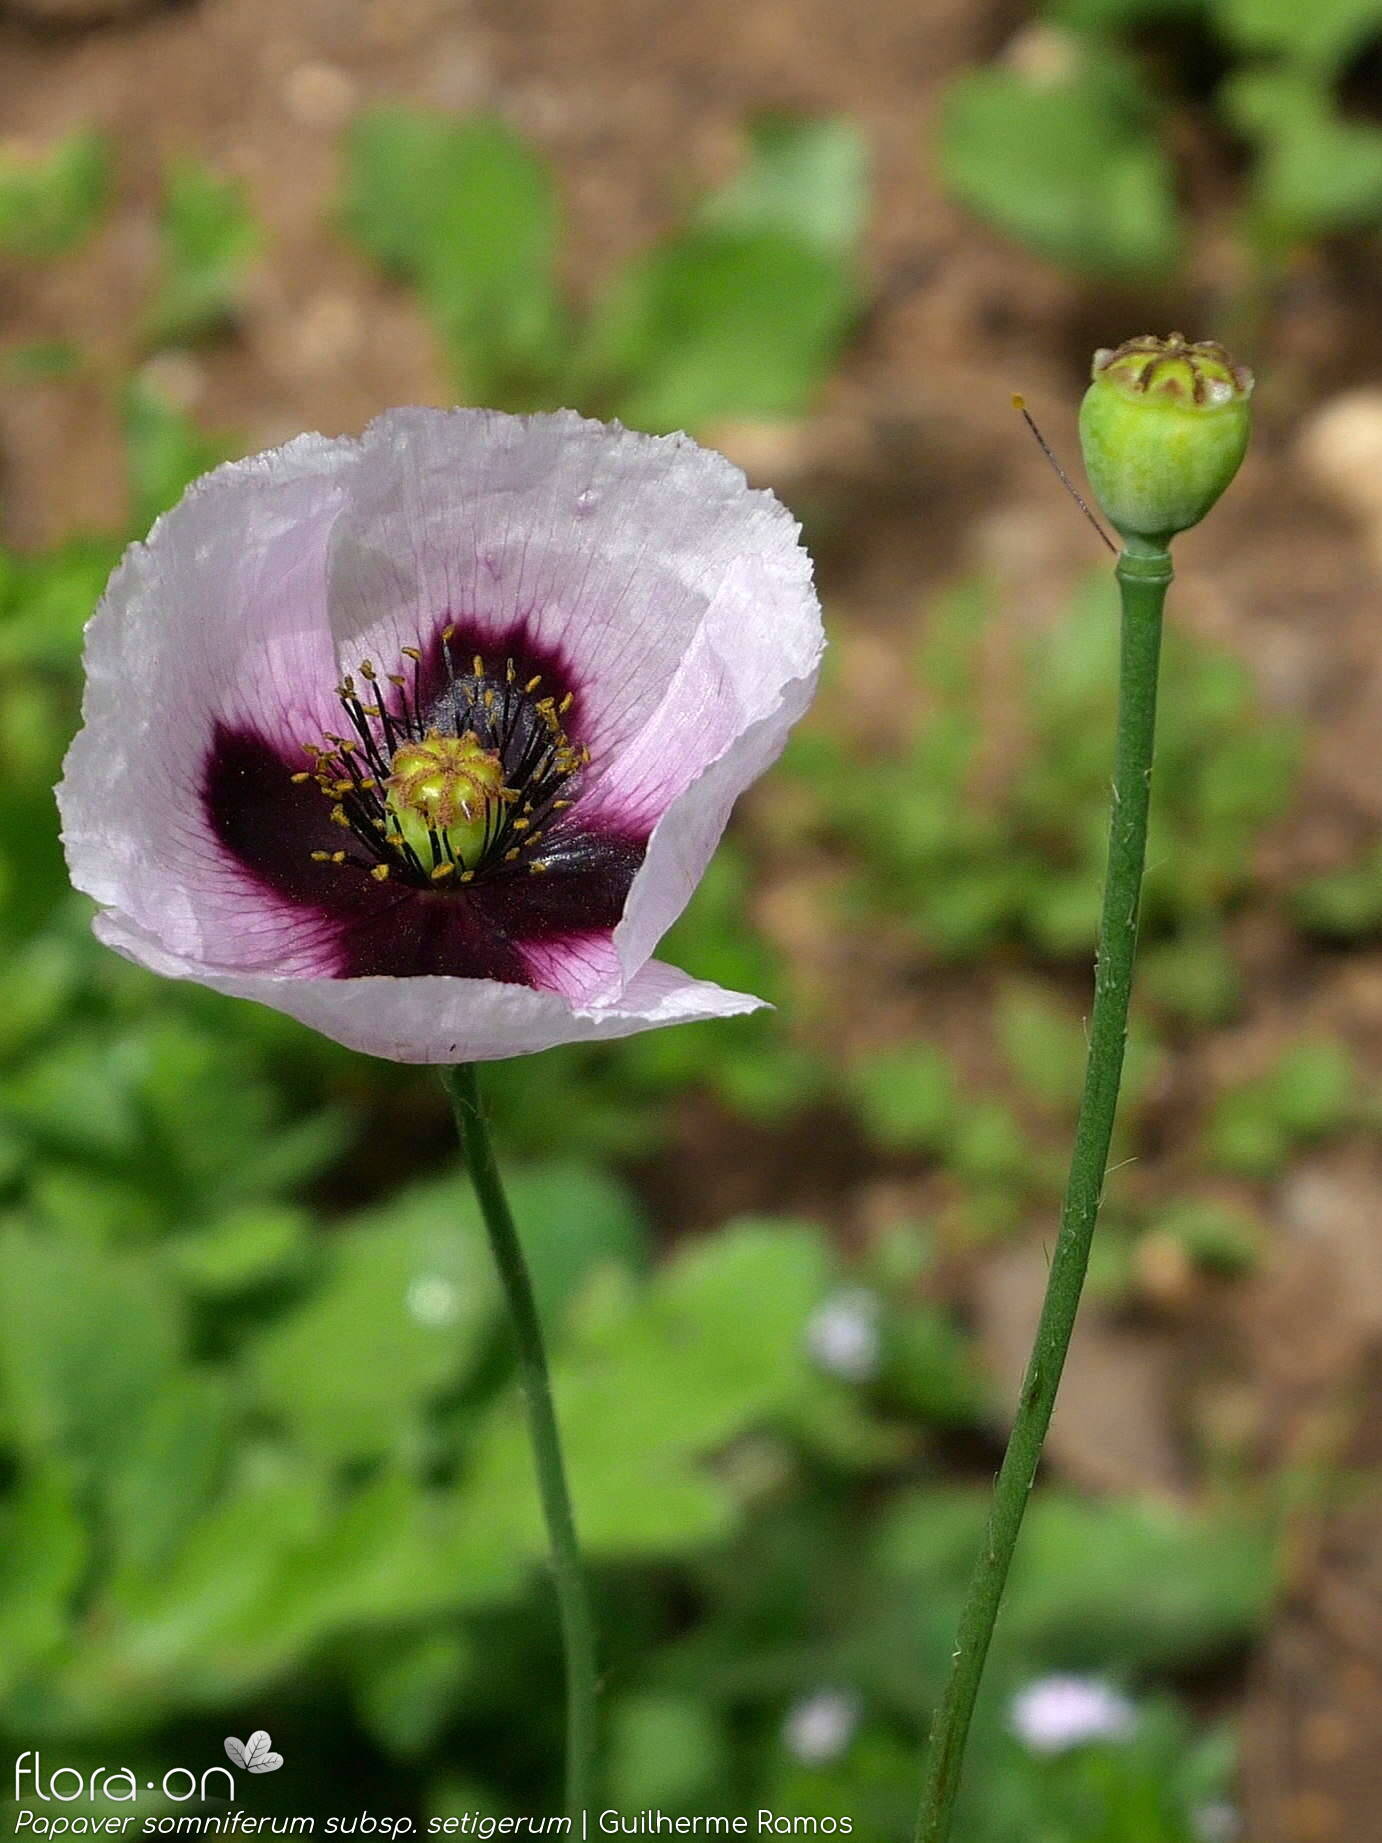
842 1335
819 1728
1057 1713
1217 1823
433 1300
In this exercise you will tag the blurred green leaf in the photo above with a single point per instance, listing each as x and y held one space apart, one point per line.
719 323
50 201
713 1347
43 1551
1316 172
1069 166
43 359
406 1299
85 1340
245 1246
665 1753
46 600
1044 1044
164 450
464 210
1319 37
1307 1095
209 238
1218 1237
1113 1585
1344 904
406 1694
807 178
930 1367
907 1097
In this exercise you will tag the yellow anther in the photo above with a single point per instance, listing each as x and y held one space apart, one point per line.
366 669
566 703
380 873
533 682
321 857
442 870
338 857
478 666
409 652
298 779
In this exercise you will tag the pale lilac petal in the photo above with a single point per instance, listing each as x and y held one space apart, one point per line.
445 1020
687 834
220 614
644 561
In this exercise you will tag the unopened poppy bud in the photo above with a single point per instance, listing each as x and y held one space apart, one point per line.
1163 426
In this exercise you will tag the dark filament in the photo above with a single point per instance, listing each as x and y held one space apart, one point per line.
508 715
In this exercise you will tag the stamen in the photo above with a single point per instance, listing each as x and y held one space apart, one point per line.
445 785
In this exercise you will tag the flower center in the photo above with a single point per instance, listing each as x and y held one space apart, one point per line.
439 790
445 798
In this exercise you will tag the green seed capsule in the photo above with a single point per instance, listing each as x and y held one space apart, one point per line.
1163 427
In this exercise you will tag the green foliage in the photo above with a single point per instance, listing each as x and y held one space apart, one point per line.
906 1098
1075 160
50 201
208 239
1070 166
739 314
467 214
166 453
1344 904
1307 1095
1320 37
1316 172
1022 858
1218 1238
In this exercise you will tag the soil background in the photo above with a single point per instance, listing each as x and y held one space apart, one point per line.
923 470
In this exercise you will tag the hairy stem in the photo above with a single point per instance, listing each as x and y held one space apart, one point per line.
1144 575
573 1603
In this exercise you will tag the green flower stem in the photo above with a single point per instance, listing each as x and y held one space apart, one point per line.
1144 575
573 1602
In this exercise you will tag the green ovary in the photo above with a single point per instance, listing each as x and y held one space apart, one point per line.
444 798
1163 426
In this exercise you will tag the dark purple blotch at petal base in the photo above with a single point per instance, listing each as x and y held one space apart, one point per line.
271 826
